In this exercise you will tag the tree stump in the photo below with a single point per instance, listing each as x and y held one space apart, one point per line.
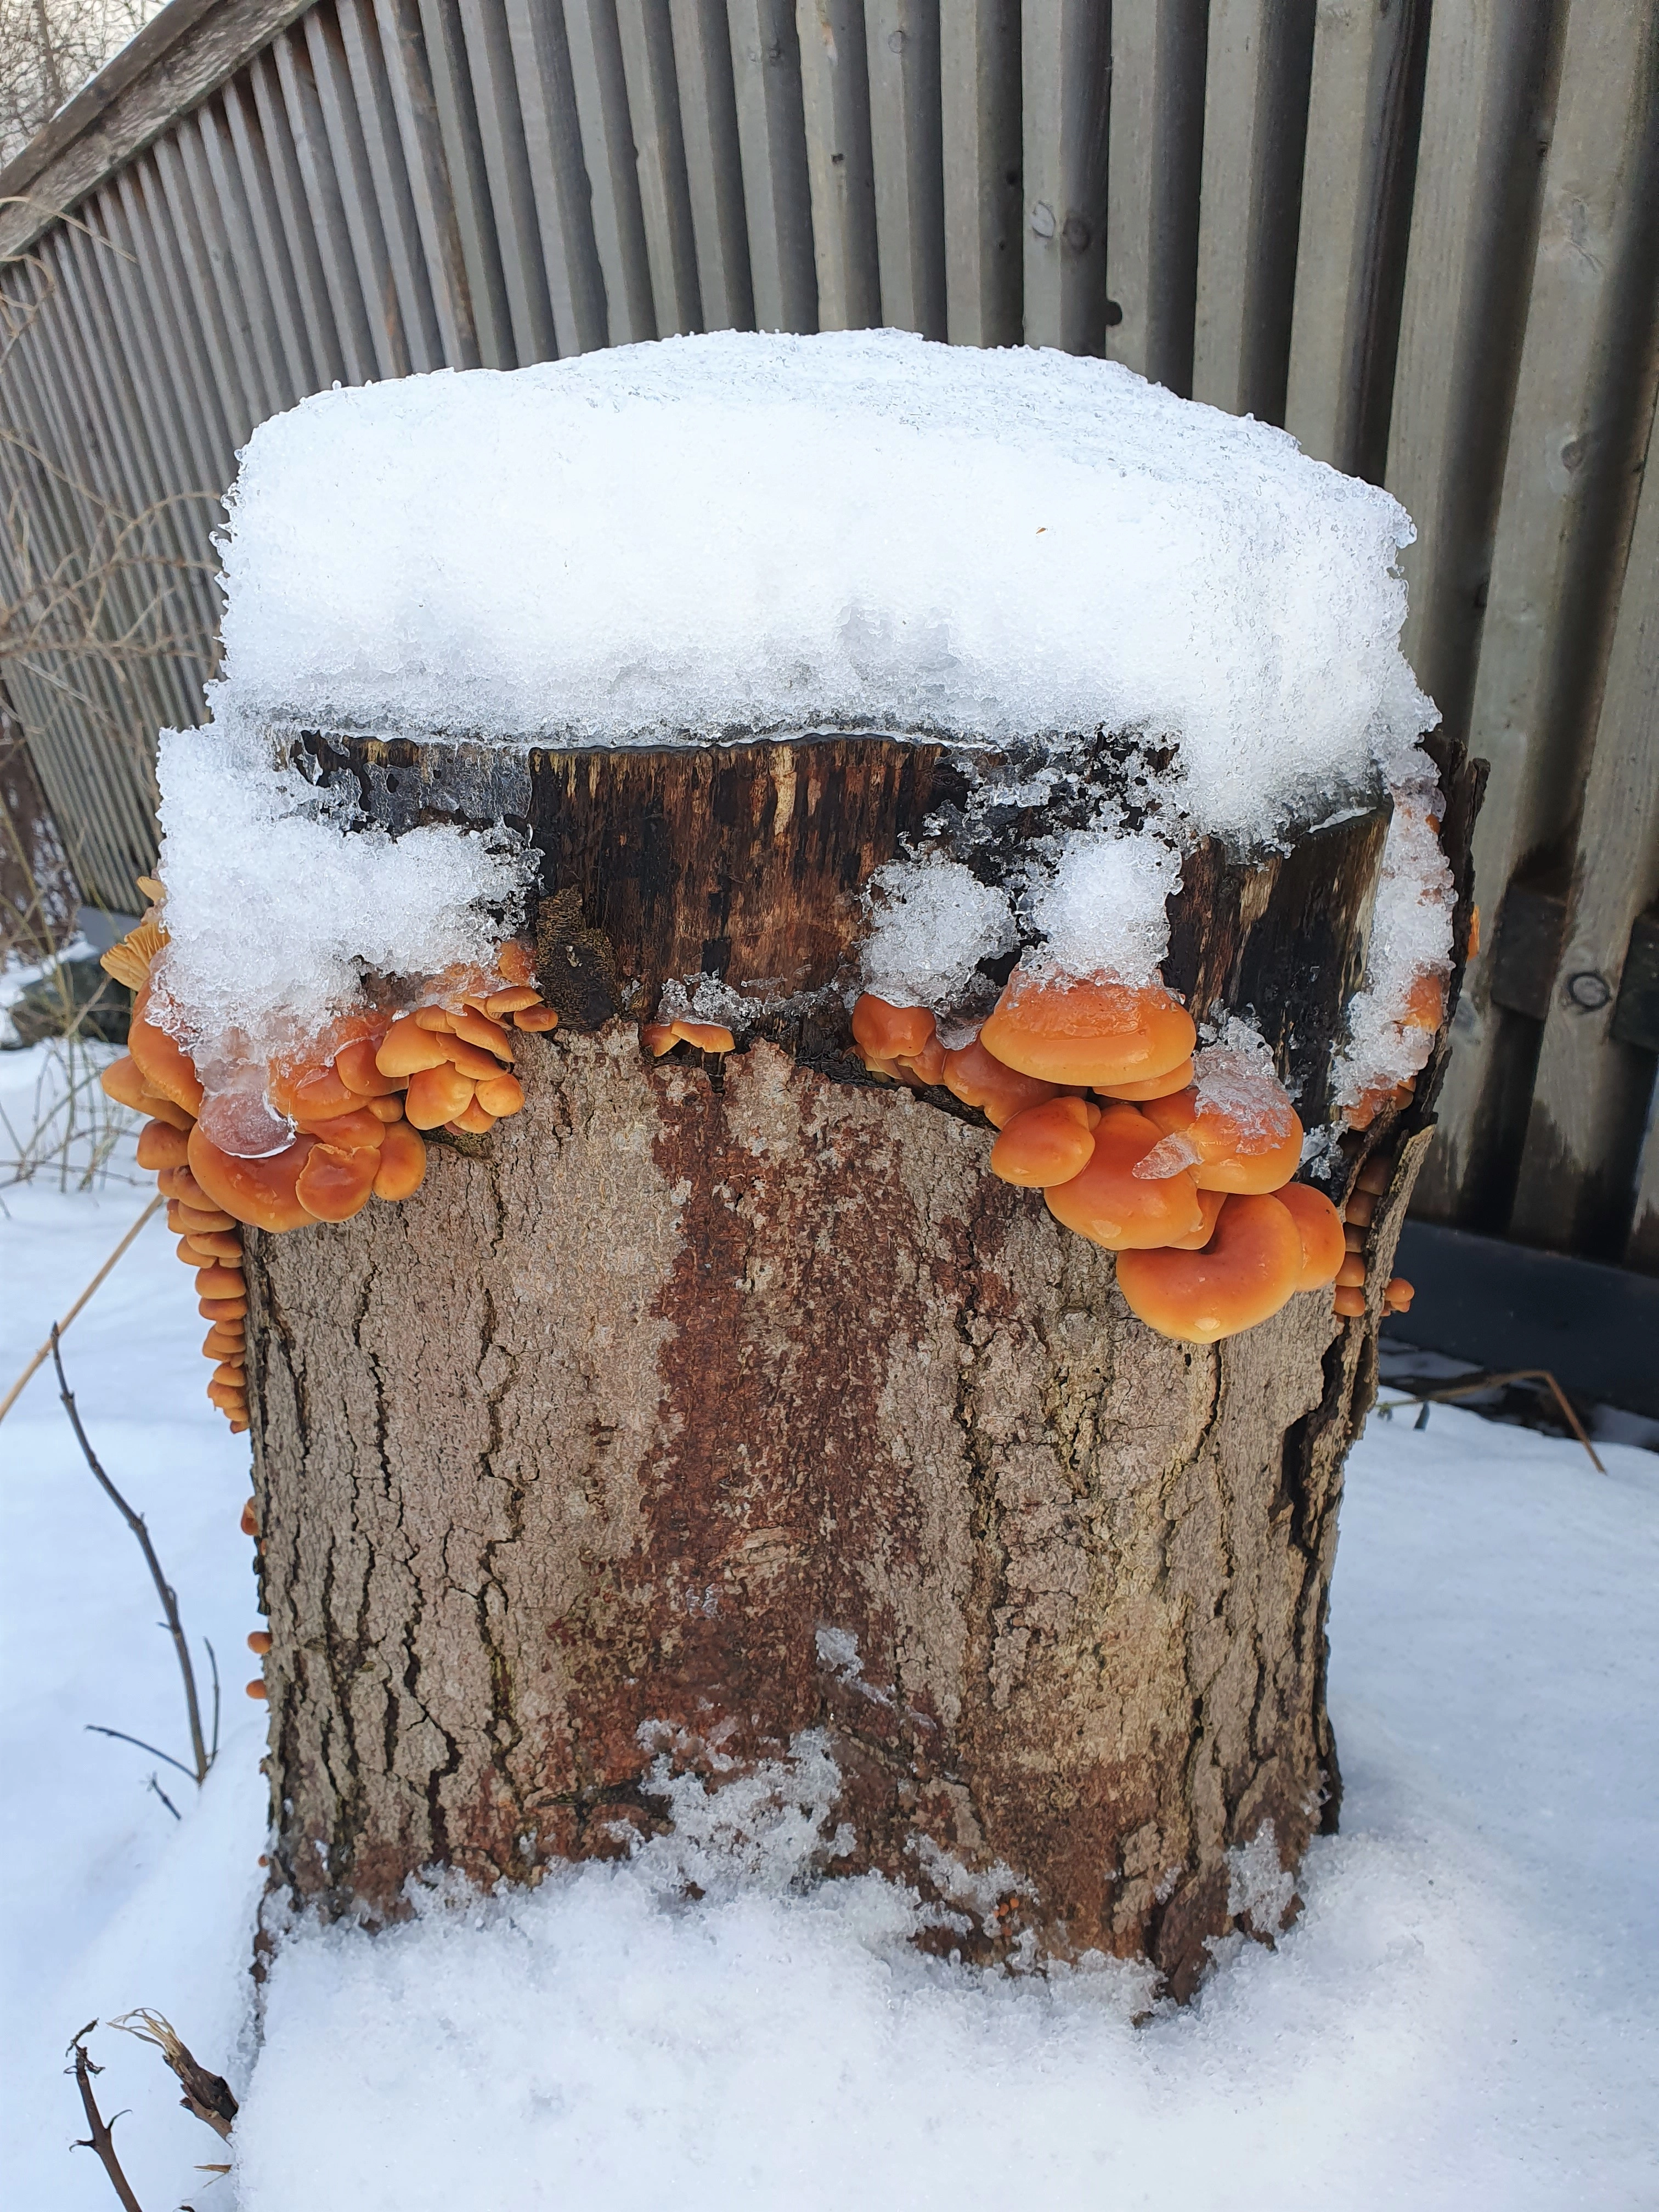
707 1411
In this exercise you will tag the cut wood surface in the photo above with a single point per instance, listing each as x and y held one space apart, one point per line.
709 1411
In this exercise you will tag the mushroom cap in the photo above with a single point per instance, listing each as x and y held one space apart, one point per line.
479 1029
1108 1204
387 1109
407 1050
472 1060
979 1079
310 1092
355 1065
258 1641
1319 1225
537 1020
220 1309
436 1095
123 1080
890 1032
161 1145
220 1282
1049 1143
1210 1203
1248 1270
401 1162
1350 1273
517 999
502 1094
222 1338
706 1036
1398 1294
348 1133
1350 1304
260 1193
515 961
166 1067
334 1183
1376 1176
185 1220
657 1037
472 1122
1250 1144
206 1244
1152 1087
1083 1028
1425 1001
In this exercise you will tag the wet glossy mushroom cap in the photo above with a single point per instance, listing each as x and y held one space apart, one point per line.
1351 1274
355 1065
516 999
890 1032
1073 1029
1248 1141
537 1020
401 1164
706 1036
1248 1269
160 1145
260 1193
979 1079
1049 1143
1152 1087
502 1094
436 1095
488 1036
310 1093
473 1060
1210 1203
388 1109
1398 1294
657 1037
348 1133
1108 1204
123 1080
163 1063
220 1282
472 1122
407 1050
1426 1002
210 1244
1350 1304
1319 1225
187 1220
334 1183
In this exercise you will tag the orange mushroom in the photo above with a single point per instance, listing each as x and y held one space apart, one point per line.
472 1122
1350 1275
473 1060
310 1093
206 1244
160 1145
517 999
1320 1227
657 1037
515 961
355 1065
258 1641
979 1079
1248 1269
250 1522
257 1689
1047 1144
357 1131
260 1193
1472 950
1077 1029
882 1031
334 1183
1350 1304
1108 1204
1361 1208
1242 1135
501 1094
223 1339
223 1309
401 1162
1426 1002
1398 1294
1152 1087
162 1062
537 1020
488 1036
407 1050
219 1281
436 1095
388 1109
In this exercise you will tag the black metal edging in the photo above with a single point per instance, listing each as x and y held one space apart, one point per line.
1504 1306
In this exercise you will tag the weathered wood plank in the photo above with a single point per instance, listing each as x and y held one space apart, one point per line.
443 38
653 108
558 179
1256 105
714 162
903 45
1065 71
1564 527
408 61
1590 1094
772 139
841 167
1154 162
612 166
506 151
980 130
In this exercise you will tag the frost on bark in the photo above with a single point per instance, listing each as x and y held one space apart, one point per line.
696 1409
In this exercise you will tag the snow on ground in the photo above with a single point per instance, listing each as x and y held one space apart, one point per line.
1467 2013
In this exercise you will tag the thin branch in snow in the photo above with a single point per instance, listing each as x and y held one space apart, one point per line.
121 1736
165 1799
101 2139
169 1602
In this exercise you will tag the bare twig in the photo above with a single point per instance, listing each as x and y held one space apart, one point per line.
155 1785
92 1728
47 1349
213 1662
208 2095
101 2139
1478 1383
164 1588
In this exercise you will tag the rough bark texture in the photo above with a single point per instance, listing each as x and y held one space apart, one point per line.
694 1410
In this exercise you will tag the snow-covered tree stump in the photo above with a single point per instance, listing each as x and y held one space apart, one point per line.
706 1408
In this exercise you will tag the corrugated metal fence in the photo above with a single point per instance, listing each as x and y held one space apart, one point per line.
1421 234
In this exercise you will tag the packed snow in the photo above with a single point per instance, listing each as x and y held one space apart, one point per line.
1411 938
741 532
1464 2013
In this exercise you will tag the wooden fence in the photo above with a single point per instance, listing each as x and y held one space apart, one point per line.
1423 234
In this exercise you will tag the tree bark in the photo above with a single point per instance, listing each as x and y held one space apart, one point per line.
705 1412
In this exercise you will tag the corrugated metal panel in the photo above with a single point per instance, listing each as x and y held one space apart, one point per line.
1425 239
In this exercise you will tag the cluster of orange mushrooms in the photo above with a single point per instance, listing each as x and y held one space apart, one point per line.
356 1105
1100 1103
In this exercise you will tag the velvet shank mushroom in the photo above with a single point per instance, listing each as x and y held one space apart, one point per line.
1249 1268
1108 1204
1047 1144
1075 1028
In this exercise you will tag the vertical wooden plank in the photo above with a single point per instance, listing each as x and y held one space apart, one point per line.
612 165
1590 1096
1564 525
714 162
1361 56
903 42
371 74
653 108
151 236
1486 95
552 138
325 201
772 140
836 94
244 281
231 376
272 243
1154 162
1065 66
409 82
507 169
348 161
980 111
1255 109
468 176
